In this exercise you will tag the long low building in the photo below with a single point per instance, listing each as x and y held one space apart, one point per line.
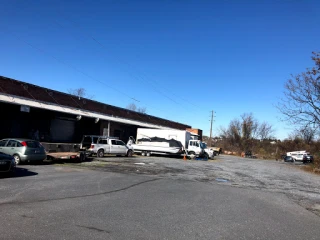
61 117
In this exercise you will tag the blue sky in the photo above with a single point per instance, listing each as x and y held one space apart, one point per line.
178 59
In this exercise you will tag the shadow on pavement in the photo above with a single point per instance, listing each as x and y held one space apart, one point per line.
20 172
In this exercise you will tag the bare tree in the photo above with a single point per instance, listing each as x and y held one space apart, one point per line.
133 107
142 110
80 93
306 134
249 126
242 132
301 102
265 131
232 134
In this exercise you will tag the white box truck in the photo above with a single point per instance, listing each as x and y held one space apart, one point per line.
167 141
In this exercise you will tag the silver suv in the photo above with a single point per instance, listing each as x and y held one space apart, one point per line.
101 145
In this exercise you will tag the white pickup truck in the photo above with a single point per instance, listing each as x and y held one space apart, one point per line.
101 145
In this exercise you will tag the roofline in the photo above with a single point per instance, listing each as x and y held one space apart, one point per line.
7 98
16 88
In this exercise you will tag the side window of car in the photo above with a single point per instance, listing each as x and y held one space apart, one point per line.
12 143
103 141
120 143
3 143
113 142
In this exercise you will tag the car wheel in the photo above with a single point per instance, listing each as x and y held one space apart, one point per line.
17 159
206 155
129 153
82 157
100 153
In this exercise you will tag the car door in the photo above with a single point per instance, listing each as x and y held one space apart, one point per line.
122 147
113 147
3 147
11 147
103 143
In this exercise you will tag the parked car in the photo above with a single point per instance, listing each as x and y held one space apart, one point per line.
288 159
298 157
307 158
7 164
23 150
101 145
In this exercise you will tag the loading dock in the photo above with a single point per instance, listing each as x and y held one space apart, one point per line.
55 117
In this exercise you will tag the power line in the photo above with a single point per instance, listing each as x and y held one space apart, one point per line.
70 65
121 61
86 74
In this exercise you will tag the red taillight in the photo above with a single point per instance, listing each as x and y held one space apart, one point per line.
24 144
92 146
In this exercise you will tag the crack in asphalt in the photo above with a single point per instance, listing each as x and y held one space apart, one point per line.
25 216
81 196
93 228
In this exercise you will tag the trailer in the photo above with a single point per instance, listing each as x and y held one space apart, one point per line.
167 142
65 156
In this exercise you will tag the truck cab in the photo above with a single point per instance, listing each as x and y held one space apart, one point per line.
209 151
197 148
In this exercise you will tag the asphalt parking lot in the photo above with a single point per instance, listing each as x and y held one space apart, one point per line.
161 198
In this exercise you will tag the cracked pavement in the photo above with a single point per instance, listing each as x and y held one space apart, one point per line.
161 198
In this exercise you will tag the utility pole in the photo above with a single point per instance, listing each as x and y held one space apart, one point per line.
210 141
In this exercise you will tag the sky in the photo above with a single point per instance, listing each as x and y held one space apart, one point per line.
179 59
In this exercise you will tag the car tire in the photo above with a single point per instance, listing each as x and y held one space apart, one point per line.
17 159
100 153
82 157
129 153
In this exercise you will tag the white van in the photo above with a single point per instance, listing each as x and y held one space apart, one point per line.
297 155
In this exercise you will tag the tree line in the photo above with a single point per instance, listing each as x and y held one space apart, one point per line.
299 107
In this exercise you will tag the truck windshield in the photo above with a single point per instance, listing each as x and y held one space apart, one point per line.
203 145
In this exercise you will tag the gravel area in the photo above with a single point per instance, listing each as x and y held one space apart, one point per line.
264 175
